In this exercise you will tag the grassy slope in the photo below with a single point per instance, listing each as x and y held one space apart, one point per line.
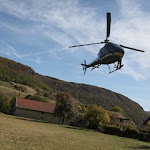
18 133
8 90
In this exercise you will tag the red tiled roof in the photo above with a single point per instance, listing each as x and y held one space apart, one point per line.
117 115
35 105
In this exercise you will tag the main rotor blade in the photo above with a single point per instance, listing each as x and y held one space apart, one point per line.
132 48
86 44
108 24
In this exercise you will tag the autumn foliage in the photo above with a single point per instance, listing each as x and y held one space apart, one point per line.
97 116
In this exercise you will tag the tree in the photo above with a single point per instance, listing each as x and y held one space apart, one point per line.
4 104
119 109
65 108
11 105
97 116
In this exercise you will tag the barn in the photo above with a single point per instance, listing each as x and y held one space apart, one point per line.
35 110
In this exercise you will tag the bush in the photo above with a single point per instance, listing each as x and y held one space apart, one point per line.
144 136
131 132
97 116
20 88
113 130
79 123
4 104
36 98
47 94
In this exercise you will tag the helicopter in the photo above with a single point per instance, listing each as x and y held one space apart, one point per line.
109 53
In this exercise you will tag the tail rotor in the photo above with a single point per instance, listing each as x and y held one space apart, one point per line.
84 66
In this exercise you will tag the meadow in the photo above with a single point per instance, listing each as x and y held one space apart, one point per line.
18 133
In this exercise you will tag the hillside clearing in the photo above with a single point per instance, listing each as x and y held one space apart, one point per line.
8 89
19 133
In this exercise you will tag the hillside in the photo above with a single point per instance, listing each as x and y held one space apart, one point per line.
148 112
28 134
11 71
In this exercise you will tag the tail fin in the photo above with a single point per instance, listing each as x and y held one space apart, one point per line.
84 66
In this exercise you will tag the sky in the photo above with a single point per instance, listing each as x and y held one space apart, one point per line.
38 33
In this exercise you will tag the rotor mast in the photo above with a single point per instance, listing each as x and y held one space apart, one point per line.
108 26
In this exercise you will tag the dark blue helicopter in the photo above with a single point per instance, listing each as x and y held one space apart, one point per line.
108 54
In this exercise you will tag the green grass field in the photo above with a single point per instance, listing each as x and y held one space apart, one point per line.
27 134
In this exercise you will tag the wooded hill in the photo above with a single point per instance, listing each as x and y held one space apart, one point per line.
148 112
45 86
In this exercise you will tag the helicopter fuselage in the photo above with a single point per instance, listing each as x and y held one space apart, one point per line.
108 54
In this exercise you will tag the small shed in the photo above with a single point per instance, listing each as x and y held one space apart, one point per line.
35 110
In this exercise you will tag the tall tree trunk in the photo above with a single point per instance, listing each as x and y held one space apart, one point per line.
63 120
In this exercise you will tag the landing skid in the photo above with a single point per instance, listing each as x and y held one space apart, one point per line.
116 67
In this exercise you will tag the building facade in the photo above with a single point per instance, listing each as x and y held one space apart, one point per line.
35 110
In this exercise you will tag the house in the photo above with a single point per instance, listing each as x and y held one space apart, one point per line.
129 123
35 110
119 119
146 122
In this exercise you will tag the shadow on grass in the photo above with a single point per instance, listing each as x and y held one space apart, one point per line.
77 128
140 147
23 118
30 119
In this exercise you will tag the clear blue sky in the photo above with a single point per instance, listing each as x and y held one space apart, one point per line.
38 33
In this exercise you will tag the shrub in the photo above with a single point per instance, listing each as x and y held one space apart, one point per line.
97 116
111 129
144 136
131 132
36 98
20 88
79 123
4 104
